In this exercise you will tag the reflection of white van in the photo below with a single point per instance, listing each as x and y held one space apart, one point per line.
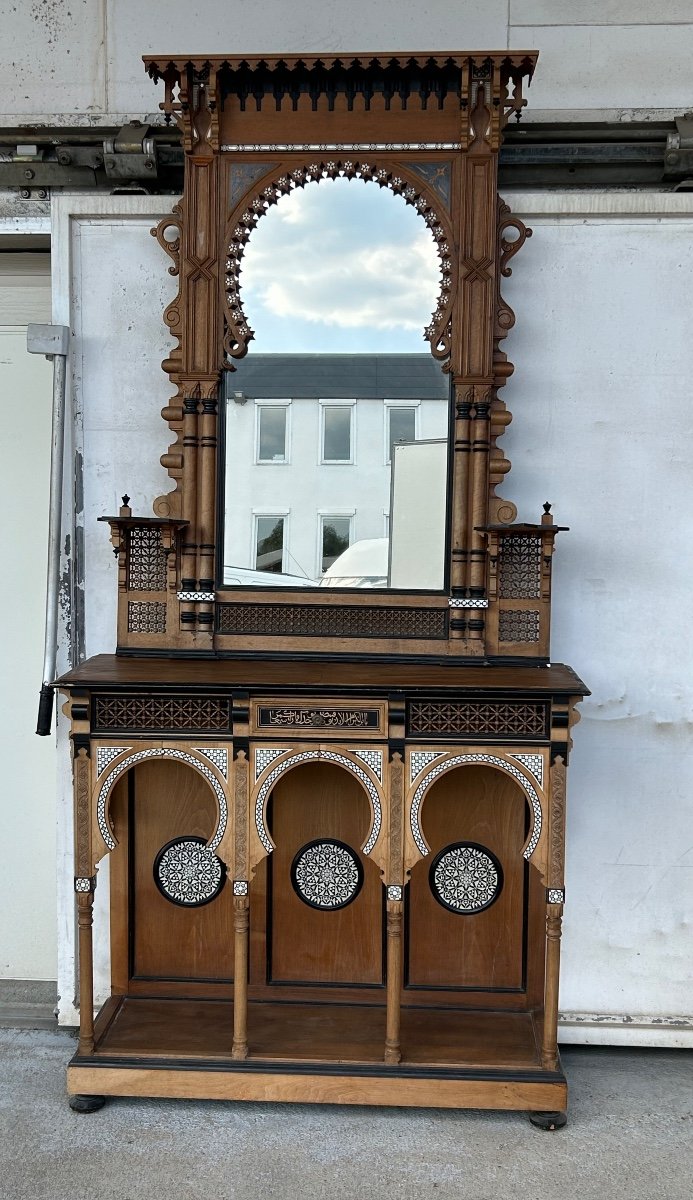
363 564
247 577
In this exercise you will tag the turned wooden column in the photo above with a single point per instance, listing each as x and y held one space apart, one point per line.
393 1052
85 905
241 926
549 1046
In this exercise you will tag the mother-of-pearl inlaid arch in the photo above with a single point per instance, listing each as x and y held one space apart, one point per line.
364 773
470 759
188 757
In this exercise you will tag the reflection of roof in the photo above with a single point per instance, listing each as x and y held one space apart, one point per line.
339 376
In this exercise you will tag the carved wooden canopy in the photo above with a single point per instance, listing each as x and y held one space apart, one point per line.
429 127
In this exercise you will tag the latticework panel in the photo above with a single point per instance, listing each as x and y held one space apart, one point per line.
519 568
165 714
146 616
302 620
518 625
146 560
478 718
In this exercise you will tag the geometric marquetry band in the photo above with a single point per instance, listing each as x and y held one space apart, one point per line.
420 759
395 891
459 760
85 883
218 757
534 764
455 603
263 758
106 754
555 895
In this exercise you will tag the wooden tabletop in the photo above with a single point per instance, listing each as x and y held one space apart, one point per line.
110 671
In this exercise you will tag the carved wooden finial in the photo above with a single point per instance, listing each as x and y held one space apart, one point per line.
547 519
125 510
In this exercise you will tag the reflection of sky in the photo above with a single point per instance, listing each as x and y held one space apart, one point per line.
340 265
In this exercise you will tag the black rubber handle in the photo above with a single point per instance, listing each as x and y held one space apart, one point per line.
45 712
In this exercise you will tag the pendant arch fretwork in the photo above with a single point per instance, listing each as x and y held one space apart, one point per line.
239 333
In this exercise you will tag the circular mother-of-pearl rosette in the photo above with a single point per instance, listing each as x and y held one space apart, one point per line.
186 872
466 877
326 874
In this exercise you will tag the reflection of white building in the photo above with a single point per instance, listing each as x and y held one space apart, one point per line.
308 453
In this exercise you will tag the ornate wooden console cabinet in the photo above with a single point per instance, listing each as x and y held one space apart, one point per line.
334 810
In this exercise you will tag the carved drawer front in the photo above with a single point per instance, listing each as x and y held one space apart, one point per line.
479 719
169 713
318 718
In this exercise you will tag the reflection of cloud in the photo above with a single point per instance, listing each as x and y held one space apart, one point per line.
340 253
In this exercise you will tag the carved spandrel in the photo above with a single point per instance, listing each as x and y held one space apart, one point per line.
556 863
84 863
396 822
241 797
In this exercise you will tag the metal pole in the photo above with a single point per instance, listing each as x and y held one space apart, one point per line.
52 341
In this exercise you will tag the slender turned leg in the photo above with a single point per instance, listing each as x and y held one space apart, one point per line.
549 1048
85 902
550 1121
241 925
393 1051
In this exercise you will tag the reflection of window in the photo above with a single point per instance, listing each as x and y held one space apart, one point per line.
272 430
335 537
336 432
400 426
269 544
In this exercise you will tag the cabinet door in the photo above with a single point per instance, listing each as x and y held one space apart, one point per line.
475 821
319 817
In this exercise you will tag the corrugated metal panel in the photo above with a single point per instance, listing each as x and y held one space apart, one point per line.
25 287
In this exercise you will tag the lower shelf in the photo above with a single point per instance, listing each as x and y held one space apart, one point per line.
312 1032
320 1053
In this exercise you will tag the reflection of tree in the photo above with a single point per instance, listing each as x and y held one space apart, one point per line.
333 544
273 542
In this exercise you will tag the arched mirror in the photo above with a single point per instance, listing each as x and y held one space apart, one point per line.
336 421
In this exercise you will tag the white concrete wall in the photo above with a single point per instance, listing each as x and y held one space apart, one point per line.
619 477
81 62
603 429
603 426
27 803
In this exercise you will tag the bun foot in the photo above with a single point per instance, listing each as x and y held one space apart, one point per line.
86 1104
548 1120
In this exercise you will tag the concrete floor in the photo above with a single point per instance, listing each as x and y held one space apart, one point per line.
630 1135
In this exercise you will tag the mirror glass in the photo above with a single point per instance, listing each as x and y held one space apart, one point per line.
337 419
